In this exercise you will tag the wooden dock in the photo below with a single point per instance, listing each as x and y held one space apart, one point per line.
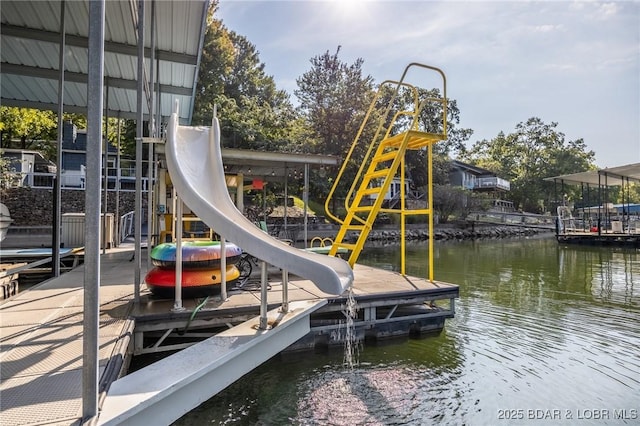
41 338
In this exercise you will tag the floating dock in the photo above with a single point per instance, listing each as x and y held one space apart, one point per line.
41 340
41 343
608 239
389 305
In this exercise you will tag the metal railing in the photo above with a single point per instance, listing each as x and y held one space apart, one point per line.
72 181
492 182
514 219
127 222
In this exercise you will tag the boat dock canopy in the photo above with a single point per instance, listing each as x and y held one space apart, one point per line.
612 176
30 61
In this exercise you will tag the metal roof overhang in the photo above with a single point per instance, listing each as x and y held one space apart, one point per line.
30 43
272 166
613 176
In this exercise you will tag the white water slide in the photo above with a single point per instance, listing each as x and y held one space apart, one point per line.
194 160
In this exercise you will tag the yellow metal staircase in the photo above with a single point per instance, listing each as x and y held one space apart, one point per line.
396 133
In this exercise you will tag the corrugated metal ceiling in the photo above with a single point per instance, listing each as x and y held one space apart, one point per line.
29 53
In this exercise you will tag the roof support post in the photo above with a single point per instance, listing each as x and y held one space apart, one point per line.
286 202
139 136
117 218
105 207
305 196
55 232
152 133
92 209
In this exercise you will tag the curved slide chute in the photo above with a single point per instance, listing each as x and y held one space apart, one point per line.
194 160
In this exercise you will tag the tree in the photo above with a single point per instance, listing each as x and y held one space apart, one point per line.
451 200
431 120
533 152
253 113
28 126
334 97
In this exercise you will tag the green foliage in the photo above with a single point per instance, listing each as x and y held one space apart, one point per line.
253 113
615 194
29 128
533 152
32 129
6 171
456 202
334 97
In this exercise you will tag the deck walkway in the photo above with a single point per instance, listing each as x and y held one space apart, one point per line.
41 343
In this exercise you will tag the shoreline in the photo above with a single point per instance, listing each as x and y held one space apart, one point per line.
456 233
35 238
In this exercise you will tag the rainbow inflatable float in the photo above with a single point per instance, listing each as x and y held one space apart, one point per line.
201 274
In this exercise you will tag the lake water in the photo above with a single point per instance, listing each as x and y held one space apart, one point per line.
543 334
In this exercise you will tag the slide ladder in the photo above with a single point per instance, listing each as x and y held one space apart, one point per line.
398 131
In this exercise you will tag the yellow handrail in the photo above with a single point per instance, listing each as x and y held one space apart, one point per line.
385 154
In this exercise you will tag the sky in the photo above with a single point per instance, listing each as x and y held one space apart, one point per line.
573 63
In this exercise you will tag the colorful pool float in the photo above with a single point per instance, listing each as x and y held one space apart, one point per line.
195 282
195 255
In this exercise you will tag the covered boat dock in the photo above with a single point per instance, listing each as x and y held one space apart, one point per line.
603 214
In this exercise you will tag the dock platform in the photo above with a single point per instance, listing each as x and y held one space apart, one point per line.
606 239
41 343
389 305
41 337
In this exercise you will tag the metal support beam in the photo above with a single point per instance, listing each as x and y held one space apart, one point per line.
264 324
109 46
75 77
105 207
55 232
285 291
92 215
177 216
139 135
223 268
152 133
305 197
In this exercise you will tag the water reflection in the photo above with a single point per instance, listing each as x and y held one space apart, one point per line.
538 327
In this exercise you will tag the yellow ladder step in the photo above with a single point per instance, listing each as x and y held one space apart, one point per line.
387 156
377 174
354 227
392 140
370 191
357 209
348 246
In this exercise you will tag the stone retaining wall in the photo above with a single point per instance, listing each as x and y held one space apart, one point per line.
34 207
451 233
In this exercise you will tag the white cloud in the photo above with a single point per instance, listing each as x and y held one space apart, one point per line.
607 10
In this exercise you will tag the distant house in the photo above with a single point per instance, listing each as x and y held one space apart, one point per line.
29 168
477 179
32 170
74 156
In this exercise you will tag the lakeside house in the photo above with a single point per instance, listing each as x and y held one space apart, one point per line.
477 179
29 168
